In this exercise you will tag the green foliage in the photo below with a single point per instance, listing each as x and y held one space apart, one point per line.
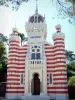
0 66
71 66
23 38
70 56
71 81
3 57
14 3
3 38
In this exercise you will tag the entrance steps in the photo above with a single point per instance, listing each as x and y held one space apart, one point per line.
36 97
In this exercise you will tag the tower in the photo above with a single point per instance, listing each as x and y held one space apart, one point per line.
12 75
36 29
60 75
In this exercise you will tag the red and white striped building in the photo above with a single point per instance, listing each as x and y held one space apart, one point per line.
37 67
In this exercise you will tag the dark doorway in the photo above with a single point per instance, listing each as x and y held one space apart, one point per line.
35 84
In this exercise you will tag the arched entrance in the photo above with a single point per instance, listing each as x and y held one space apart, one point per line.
35 84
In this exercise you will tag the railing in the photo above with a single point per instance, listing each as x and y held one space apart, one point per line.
35 62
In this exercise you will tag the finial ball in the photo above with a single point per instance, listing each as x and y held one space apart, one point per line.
58 28
15 30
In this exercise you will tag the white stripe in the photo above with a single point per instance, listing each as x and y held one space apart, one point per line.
57 90
12 65
60 76
15 89
51 65
60 68
57 81
14 47
60 63
61 72
59 41
13 43
53 61
14 85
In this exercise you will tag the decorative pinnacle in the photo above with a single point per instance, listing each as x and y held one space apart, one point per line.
15 30
36 7
58 28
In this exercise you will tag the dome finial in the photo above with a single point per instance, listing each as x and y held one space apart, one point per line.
36 7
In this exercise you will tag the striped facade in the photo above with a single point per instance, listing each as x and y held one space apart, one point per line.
55 64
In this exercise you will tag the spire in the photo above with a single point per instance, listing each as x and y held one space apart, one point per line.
36 7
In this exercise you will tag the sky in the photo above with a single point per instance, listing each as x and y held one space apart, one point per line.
10 19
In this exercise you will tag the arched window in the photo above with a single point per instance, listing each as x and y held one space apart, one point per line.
35 52
37 55
33 56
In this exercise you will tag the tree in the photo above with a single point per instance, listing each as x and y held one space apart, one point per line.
3 38
3 57
70 56
14 3
23 38
3 62
71 66
71 81
66 8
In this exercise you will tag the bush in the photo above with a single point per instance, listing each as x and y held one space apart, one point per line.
71 81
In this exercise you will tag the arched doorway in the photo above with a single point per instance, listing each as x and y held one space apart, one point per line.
35 85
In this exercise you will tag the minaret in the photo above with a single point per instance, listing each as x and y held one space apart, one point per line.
60 65
12 79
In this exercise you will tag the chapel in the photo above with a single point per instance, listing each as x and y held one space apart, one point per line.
37 67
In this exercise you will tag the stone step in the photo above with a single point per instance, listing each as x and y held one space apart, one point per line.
35 98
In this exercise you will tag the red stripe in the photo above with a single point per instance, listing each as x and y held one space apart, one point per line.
50 62
16 48
55 50
58 92
65 87
16 71
59 78
61 62
16 63
50 67
15 83
50 70
60 70
13 55
15 87
17 52
16 59
14 41
51 47
58 43
14 92
14 79
59 39
59 46
47 44
17 67
12 75
24 48
59 74
14 45
59 83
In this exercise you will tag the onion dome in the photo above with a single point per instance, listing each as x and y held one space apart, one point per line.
36 18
